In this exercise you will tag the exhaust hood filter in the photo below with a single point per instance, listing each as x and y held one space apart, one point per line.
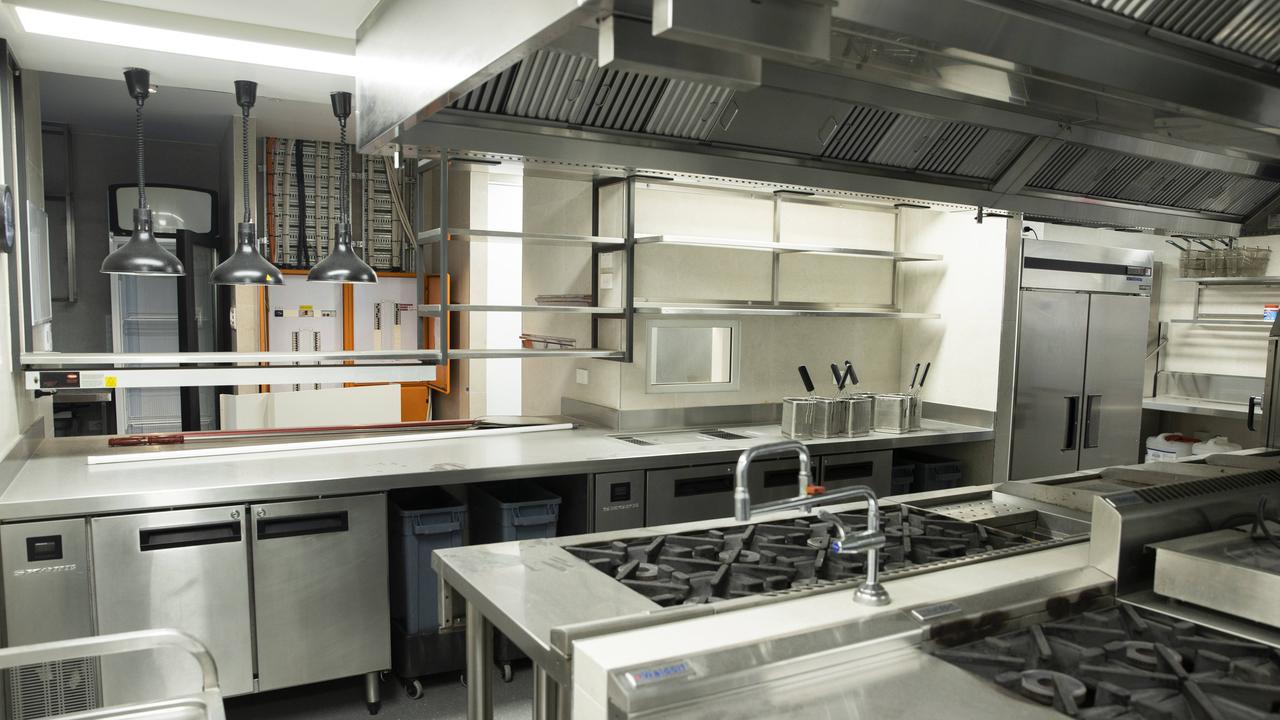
688 109
569 88
1083 170
624 101
1249 28
552 85
490 97
883 137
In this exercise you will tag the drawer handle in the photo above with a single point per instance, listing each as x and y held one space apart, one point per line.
188 536
295 525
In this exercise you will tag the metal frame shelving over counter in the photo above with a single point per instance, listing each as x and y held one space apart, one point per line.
444 233
624 242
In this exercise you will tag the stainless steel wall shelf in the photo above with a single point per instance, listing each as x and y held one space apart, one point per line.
1242 322
788 310
161 377
434 310
783 247
492 353
1266 280
37 361
433 235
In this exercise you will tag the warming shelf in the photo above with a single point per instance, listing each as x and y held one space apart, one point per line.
782 247
787 310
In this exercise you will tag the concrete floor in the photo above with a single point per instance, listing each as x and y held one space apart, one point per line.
444 699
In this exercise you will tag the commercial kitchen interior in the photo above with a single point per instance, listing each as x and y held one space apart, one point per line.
589 359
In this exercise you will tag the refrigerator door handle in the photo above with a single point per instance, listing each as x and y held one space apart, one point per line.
310 524
1092 420
1073 422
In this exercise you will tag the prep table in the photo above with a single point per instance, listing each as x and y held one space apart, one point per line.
57 482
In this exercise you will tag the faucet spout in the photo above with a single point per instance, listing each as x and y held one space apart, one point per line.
741 491
871 592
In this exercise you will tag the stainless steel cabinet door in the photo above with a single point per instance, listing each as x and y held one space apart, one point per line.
1048 398
184 569
1112 415
320 589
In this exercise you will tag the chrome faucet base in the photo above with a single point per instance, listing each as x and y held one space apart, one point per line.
871 594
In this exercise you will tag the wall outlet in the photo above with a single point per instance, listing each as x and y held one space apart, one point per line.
606 281
582 376
606 260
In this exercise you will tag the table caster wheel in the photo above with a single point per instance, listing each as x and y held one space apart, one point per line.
507 673
413 688
374 707
462 679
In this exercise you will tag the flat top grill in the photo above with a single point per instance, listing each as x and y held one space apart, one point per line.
1123 663
744 560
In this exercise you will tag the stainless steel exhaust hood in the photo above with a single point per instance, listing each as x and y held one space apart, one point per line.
1160 114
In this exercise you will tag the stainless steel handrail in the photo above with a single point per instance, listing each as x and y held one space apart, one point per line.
111 645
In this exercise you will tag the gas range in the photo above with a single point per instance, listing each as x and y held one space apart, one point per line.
1124 663
733 562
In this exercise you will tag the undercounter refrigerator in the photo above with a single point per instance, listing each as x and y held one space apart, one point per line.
1082 339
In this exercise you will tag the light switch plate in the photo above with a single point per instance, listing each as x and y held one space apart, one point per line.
582 376
606 281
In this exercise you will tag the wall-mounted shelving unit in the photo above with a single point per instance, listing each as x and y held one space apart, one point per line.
443 235
1243 321
438 239
783 247
780 310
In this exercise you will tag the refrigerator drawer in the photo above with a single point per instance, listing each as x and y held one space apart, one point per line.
688 494
873 469
320 589
184 569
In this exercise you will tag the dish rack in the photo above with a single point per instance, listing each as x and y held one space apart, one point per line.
1224 262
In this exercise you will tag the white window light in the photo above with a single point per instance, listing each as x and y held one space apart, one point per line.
110 32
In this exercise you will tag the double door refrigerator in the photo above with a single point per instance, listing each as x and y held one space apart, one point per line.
1082 340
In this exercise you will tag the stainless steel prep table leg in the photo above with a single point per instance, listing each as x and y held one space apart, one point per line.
479 665
545 696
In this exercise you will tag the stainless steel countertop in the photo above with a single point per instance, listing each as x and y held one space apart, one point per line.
57 482
1196 406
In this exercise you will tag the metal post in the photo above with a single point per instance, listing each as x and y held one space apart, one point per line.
544 695
629 297
442 329
372 692
479 665
775 285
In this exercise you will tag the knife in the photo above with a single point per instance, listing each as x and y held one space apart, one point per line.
804 378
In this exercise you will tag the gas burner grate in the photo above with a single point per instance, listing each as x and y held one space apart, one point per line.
1128 664
744 560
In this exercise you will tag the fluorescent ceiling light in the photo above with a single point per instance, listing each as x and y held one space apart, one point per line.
142 37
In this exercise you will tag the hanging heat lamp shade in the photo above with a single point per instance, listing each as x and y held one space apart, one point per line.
342 265
142 254
246 266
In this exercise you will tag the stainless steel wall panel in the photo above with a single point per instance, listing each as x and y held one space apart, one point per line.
688 109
